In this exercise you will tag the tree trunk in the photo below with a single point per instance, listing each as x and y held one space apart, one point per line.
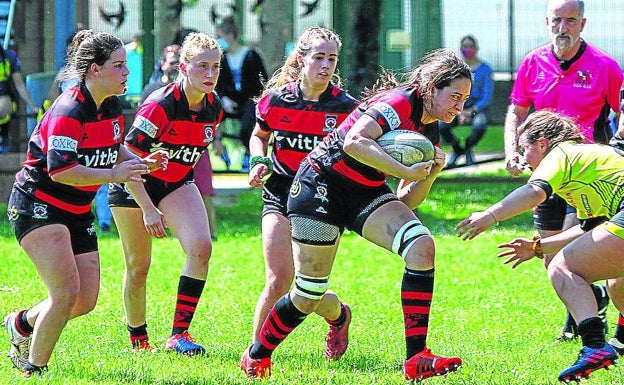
363 51
277 29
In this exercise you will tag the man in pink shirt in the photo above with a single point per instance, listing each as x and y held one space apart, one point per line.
573 78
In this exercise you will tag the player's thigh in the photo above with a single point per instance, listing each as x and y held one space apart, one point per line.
593 256
383 224
314 260
135 240
186 216
49 248
616 292
277 246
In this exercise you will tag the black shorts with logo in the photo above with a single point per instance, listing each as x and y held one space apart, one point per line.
335 201
275 194
119 196
27 213
550 214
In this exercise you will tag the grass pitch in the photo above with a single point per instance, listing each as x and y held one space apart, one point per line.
502 323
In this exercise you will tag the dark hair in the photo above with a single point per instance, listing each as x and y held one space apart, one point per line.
181 35
173 48
549 124
471 38
228 26
88 47
438 68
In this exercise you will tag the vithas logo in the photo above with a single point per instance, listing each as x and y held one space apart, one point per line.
101 158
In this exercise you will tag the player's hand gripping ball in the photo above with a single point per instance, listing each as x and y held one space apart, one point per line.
407 147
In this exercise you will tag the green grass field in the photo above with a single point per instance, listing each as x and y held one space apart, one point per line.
502 322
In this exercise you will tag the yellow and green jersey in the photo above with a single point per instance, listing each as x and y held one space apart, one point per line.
590 177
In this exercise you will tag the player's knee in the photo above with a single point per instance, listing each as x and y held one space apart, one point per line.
558 272
277 286
312 288
199 252
137 270
405 238
85 305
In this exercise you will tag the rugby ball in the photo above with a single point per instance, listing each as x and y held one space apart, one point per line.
407 147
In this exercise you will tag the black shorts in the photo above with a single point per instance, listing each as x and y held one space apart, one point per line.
275 194
119 196
334 201
550 214
27 213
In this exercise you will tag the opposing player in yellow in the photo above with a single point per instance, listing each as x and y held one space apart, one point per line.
590 177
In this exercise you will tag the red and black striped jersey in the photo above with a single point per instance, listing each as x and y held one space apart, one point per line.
298 125
397 109
72 132
165 122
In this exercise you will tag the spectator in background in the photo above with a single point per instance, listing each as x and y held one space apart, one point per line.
241 81
167 70
575 79
475 112
10 80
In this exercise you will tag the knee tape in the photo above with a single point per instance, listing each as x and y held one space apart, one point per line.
407 234
311 287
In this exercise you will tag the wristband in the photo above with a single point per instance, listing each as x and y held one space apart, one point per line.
537 247
261 159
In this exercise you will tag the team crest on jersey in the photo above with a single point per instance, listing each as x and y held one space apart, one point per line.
295 188
13 213
330 123
321 193
209 132
583 79
144 125
116 130
40 211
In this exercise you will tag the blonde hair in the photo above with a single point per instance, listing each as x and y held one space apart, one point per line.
548 124
290 70
193 43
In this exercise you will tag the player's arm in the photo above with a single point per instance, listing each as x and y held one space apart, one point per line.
258 147
516 115
361 144
413 193
20 86
518 201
